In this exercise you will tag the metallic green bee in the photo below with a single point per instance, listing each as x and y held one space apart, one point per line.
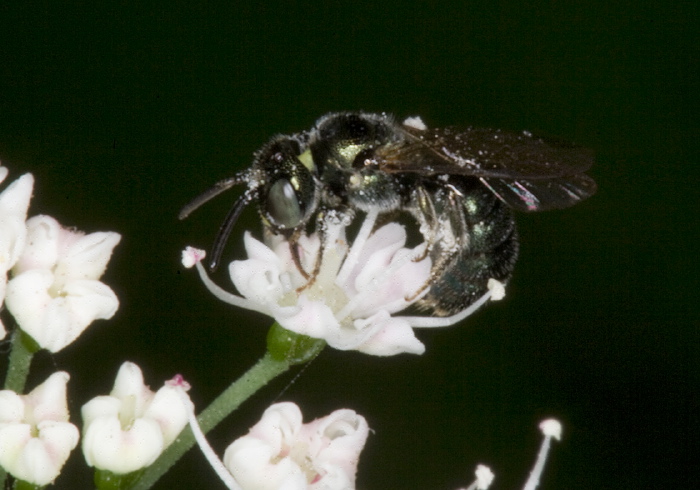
460 185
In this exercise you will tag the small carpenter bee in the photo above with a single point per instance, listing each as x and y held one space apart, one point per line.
459 184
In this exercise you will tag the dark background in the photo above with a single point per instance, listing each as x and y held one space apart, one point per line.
125 112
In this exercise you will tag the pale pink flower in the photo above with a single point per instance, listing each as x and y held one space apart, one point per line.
282 452
36 437
55 292
130 428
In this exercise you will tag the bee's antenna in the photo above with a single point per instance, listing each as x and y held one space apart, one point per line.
211 193
225 230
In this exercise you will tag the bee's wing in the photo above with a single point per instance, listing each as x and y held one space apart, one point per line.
542 195
528 173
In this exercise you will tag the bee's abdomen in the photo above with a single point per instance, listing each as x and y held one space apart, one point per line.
490 249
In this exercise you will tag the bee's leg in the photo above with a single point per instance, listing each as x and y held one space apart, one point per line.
427 219
488 250
294 251
438 269
323 237
450 236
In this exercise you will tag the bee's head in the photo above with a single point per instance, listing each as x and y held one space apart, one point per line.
283 182
286 188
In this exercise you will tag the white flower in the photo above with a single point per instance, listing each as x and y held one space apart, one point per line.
14 202
281 452
353 301
55 292
35 435
130 428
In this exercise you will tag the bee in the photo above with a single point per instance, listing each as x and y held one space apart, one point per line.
460 186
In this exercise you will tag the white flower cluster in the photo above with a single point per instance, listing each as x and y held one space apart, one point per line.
122 432
350 296
354 300
53 291
49 282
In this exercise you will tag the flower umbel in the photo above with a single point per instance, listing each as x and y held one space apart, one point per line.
35 435
281 452
128 429
353 298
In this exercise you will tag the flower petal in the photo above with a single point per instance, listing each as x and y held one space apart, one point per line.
43 233
406 279
107 446
41 459
14 202
55 322
100 406
312 318
257 250
254 464
13 439
258 281
129 385
338 439
48 400
394 336
11 407
259 459
279 425
378 252
88 257
169 412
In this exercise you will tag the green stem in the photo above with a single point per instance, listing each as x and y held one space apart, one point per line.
23 349
106 480
258 376
23 485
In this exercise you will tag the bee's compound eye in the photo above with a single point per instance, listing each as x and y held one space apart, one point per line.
282 205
